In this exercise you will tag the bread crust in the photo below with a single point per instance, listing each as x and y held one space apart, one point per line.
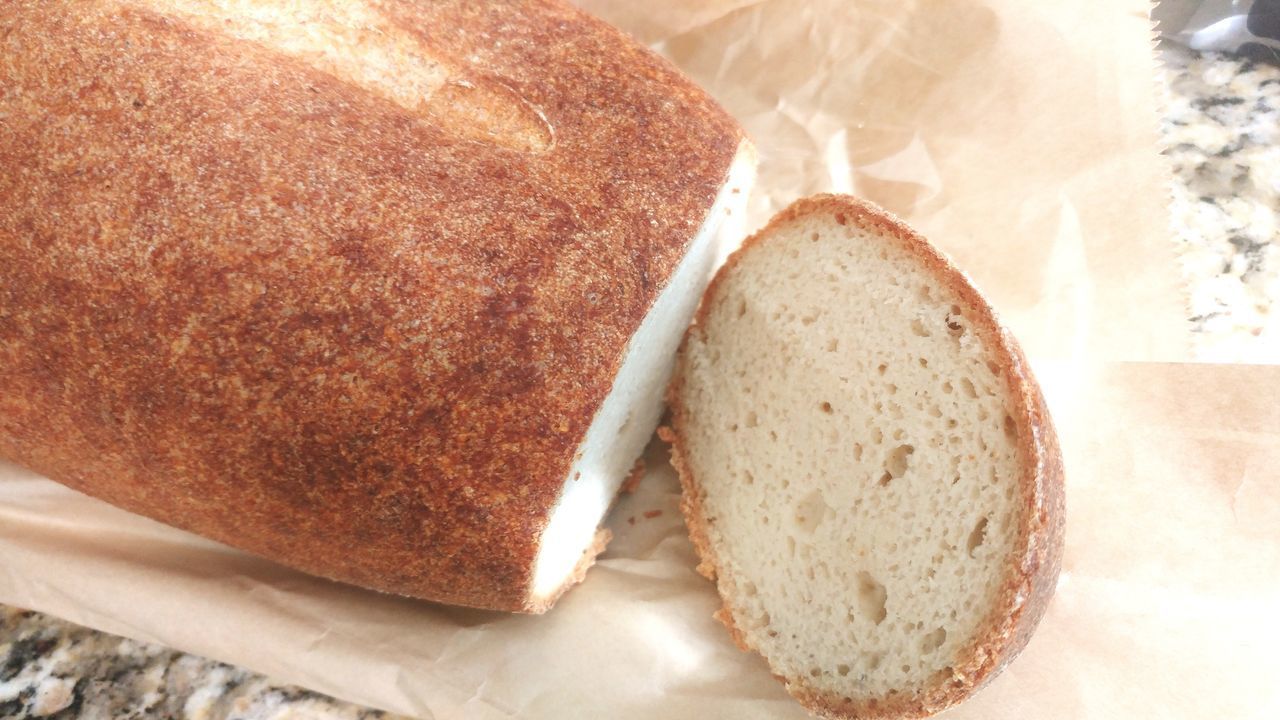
1025 594
248 297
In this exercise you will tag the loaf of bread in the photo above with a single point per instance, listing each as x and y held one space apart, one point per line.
870 474
384 291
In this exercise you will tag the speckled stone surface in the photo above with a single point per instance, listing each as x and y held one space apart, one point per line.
1222 130
53 669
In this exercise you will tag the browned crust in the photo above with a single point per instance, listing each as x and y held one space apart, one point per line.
248 298
1025 595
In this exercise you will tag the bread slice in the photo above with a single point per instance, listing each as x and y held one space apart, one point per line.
870 474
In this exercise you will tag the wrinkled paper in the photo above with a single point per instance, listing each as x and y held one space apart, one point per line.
1021 137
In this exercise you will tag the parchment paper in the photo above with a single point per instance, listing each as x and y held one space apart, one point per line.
1020 137
1166 607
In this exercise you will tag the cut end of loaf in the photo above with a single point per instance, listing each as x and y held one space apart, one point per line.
626 420
865 465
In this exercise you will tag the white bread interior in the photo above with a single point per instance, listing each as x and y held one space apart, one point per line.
631 411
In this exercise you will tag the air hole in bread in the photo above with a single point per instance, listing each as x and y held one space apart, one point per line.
1010 427
977 537
871 598
825 407
810 512
899 459
969 390
918 329
832 345
752 420
954 326
933 640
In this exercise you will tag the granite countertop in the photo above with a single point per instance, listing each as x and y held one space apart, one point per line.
1222 130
